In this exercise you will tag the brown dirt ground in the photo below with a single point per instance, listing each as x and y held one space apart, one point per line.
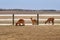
46 32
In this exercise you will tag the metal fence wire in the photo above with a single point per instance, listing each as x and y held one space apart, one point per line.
11 19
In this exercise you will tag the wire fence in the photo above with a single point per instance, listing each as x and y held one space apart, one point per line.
11 19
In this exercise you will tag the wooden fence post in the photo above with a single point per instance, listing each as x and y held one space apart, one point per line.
37 19
13 19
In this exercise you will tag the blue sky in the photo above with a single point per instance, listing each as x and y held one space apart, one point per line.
30 4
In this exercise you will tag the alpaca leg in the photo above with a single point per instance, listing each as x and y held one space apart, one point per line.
53 22
19 24
46 22
32 23
49 21
23 24
16 24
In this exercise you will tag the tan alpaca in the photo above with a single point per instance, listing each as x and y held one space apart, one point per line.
19 22
50 20
33 21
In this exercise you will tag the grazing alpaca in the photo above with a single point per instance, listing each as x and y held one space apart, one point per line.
50 19
20 22
33 21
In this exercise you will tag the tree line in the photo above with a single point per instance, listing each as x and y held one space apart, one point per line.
23 10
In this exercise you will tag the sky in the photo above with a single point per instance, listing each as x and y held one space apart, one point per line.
30 4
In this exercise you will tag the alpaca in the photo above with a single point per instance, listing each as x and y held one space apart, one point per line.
20 22
50 20
33 21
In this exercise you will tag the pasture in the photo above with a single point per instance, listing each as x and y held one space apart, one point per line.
8 30
42 32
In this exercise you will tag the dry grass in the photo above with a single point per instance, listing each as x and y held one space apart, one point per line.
28 17
47 32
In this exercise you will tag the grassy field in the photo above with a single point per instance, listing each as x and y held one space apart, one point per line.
45 32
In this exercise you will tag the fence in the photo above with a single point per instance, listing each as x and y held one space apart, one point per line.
11 19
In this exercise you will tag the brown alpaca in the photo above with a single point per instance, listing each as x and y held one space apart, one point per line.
50 20
33 21
19 22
